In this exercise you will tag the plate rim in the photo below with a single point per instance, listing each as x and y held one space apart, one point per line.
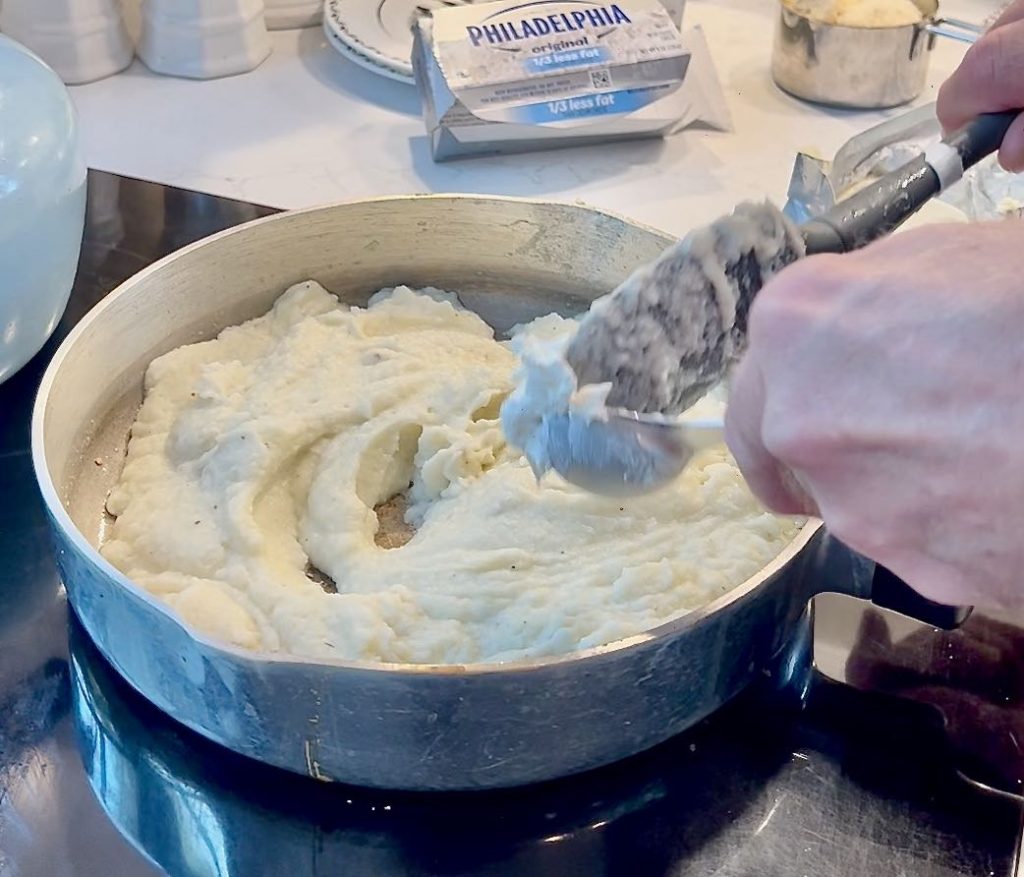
342 38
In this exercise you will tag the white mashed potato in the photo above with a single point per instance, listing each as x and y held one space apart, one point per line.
258 459
859 13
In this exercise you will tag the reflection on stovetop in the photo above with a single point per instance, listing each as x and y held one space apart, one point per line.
810 777
972 677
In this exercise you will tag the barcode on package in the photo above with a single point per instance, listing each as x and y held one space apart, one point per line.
601 78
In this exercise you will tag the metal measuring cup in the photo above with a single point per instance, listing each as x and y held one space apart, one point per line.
859 67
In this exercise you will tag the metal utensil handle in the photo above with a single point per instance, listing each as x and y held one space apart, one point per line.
887 203
955 29
981 137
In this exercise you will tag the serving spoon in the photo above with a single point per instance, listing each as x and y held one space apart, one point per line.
640 443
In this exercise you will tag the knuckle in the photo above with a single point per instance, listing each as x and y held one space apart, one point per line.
947 103
850 528
854 523
987 60
990 77
851 514
804 435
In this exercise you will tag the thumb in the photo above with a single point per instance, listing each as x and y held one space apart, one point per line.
989 79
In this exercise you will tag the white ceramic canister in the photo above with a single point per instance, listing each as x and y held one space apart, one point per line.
675 8
287 14
203 39
82 40
42 203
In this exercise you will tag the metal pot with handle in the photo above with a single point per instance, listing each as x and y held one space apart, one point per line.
859 67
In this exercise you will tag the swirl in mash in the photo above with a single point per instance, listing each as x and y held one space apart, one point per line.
258 458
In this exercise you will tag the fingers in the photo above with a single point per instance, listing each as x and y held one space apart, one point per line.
989 79
767 477
779 316
1011 153
1014 12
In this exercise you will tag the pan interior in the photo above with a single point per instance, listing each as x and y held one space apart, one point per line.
509 261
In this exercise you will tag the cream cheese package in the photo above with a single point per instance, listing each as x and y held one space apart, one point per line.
512 77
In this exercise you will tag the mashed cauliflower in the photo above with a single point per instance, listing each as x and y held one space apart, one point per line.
259 462
859 13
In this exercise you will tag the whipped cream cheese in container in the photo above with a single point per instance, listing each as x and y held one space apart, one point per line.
511 76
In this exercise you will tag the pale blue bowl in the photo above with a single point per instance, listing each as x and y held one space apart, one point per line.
42 203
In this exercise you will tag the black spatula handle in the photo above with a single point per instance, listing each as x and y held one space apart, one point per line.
887 203
891 592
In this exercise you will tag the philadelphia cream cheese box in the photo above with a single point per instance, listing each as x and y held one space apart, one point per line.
513 77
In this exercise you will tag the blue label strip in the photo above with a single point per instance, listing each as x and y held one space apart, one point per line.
584 106
567 58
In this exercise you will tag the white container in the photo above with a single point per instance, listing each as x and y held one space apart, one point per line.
82 40
288 14
42 203
203 39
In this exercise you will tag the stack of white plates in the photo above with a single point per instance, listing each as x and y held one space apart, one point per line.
377 35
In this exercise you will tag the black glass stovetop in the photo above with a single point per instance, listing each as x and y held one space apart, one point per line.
911 766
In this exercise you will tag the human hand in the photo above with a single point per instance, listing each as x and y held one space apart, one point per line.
883 390
989 79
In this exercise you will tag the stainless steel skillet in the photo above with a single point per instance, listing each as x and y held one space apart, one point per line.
392 726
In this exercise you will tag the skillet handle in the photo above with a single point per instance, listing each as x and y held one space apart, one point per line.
891 592
833 567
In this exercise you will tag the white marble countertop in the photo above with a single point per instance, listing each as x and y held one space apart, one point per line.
310 127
